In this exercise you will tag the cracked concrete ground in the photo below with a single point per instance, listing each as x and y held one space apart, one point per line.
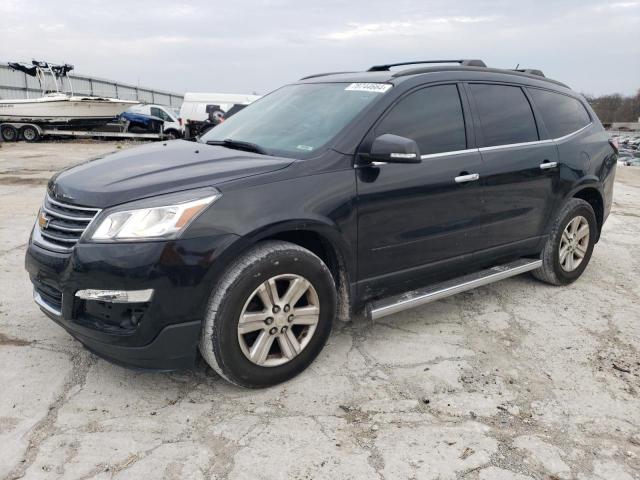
514 381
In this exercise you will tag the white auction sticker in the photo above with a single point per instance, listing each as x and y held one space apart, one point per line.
369 87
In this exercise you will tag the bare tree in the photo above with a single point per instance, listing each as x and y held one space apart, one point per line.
615 107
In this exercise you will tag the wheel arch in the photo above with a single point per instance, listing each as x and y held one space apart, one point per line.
591 190
323 240
175 131
592 194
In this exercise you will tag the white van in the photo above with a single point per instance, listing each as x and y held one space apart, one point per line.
173 127
197 106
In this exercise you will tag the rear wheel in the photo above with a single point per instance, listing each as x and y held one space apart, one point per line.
30 133
9 133
570 245
269 316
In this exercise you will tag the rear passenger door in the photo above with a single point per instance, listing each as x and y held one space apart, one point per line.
563 117
520 172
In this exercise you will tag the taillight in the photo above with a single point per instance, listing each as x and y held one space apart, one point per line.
614 143
180 121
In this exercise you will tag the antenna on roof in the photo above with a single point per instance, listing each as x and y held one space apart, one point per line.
517 67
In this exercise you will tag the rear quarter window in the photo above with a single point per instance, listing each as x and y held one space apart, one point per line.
505 114
561 114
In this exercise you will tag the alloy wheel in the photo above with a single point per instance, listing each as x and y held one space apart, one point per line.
574 244
278 320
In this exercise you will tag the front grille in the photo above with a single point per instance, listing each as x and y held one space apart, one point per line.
61 225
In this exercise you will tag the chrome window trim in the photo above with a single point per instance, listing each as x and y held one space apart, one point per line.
536 142
446 154
496 147
429 156
569 135
515 145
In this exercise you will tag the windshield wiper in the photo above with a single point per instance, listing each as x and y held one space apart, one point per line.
239 145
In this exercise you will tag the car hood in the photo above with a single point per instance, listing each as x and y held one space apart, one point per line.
155 169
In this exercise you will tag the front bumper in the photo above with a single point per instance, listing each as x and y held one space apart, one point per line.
160 334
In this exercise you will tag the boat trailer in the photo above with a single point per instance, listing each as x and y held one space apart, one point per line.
34 132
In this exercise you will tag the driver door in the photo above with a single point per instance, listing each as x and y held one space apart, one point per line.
416 219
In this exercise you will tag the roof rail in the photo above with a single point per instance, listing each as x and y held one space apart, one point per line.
322 75
530 71
463 62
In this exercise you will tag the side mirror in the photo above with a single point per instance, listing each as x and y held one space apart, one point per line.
391 148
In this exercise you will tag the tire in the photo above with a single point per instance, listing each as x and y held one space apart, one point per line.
9 133
30 133
241 292
577 214
171 135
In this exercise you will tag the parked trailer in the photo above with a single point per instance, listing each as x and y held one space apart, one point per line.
33 132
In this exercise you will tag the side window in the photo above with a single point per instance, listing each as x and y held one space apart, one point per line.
562 115
432 117
505 114
165 116
156 112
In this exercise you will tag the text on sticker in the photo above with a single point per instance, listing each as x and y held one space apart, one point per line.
369 87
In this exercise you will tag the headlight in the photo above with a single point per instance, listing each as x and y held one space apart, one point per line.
153 222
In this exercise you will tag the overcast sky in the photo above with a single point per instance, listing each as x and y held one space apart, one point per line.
245 46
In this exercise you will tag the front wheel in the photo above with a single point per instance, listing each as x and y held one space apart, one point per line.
269 316
570 244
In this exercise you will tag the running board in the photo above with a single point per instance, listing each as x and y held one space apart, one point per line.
389 306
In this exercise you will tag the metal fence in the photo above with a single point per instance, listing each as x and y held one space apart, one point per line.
15 84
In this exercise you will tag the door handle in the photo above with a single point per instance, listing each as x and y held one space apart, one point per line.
546 165
472 177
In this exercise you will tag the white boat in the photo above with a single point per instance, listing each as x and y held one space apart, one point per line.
56 106
62 108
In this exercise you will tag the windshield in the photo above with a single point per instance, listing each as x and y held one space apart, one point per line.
297 120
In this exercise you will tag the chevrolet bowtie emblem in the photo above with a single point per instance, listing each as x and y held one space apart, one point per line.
43 220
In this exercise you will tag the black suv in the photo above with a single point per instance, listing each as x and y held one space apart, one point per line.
366 191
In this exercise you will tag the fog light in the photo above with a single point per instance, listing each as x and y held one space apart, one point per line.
116 296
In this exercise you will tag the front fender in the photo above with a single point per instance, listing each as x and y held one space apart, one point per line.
322 203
